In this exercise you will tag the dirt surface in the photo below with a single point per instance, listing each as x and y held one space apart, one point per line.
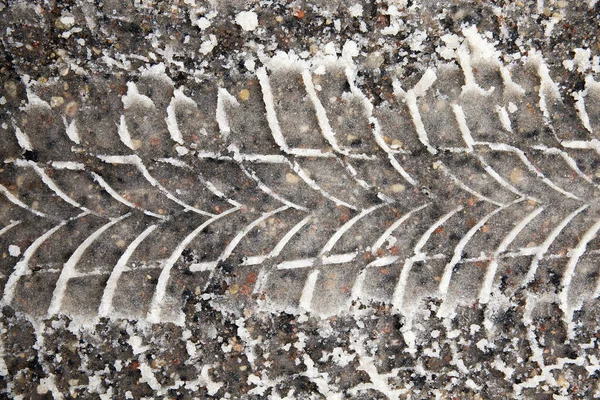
303 200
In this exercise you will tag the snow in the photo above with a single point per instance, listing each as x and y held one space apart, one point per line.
208 45
356 10
203 23
67 20
133 97
14 251
350 50
248 20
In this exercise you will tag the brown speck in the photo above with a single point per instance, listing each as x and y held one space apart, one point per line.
251 278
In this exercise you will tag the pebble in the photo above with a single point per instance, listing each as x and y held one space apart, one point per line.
42 389
71 108
292 178
11 88
517 175
244 94
56 101
397 143
398 188
136 144
374 60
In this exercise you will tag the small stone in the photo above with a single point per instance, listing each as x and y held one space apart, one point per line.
292 178
374 60
20 180
65 22
71 108
56 101
562 381
244 94
397 144
120 243
517 175
398 188
11 88
137 143
233 289
42 389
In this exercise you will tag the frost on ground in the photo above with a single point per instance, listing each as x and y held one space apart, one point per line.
346 200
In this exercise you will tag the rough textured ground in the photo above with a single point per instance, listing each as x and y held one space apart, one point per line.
387 199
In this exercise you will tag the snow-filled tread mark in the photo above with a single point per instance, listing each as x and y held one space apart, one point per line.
278 190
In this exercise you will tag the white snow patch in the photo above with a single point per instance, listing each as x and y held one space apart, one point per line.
34 100
356 10
14 250
203 23
23 139
350 50
581 60
208 45
250 65
134 97
158 71
190 348
70 165
248 20
67 20
330 48
179 98
415 41
149 378
136 344
451 44
71 131
481 49
123 133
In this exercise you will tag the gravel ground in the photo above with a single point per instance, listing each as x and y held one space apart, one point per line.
83 81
